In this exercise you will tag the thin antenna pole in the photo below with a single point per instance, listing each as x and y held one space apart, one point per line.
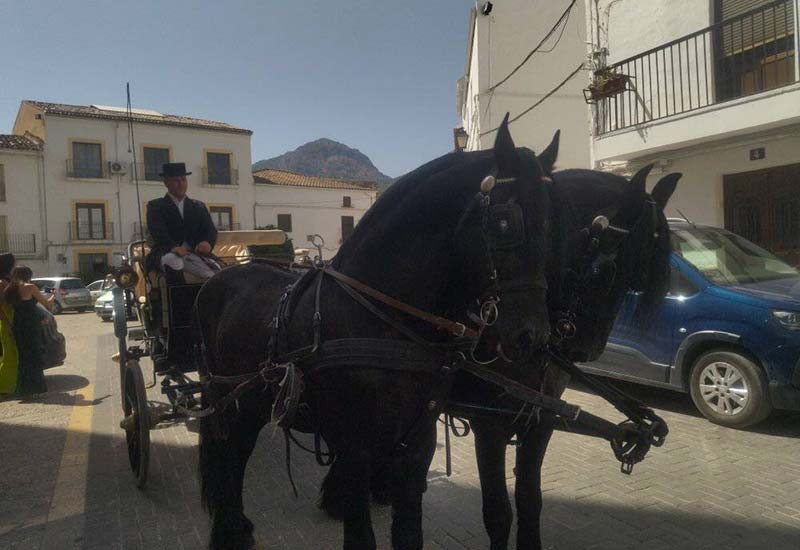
132 149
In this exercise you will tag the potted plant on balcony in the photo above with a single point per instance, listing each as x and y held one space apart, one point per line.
606 83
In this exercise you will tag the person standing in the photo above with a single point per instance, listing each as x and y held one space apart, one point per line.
23 295
9 359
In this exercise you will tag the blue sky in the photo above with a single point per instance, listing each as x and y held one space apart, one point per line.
377 75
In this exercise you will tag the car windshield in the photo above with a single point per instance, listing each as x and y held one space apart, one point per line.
725 258
71 284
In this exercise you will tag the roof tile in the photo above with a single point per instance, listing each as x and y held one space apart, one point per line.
282 177
87 111
18 143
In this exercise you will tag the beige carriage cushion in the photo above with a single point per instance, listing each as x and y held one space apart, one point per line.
248 238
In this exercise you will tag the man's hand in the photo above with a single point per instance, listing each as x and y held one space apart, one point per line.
181 251
203 248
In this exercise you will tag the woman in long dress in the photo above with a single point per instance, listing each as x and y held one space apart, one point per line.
23 295
8 359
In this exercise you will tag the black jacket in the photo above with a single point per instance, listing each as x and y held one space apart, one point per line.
167 229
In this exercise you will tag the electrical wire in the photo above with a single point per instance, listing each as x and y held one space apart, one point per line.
550 33
542 100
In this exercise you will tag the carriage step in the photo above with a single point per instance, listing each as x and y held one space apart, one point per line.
136 334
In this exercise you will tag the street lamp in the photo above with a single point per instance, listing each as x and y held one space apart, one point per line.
460 137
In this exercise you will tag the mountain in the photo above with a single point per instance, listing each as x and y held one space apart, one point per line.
327 158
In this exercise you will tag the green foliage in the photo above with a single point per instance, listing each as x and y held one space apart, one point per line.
280 253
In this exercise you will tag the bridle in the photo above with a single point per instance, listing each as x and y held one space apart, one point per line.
502 228
598 264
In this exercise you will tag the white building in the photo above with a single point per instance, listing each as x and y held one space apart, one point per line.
714 93
71 199
501 35
307 205
21 193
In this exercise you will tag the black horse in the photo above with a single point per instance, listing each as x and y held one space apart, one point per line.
586 292
440 239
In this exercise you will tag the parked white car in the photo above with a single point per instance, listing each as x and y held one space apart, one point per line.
104 307
98 288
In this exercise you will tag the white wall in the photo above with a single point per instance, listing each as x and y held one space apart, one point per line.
313 211
699 194
21 207
500 41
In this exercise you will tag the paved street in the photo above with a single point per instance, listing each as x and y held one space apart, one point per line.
64 479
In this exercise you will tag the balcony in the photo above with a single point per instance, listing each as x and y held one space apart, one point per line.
146 172
21 244
745 55
77 170
80 231
220 177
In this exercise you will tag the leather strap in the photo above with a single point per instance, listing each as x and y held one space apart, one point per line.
456 329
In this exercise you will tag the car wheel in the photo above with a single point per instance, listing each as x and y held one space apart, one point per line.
57 309
729 389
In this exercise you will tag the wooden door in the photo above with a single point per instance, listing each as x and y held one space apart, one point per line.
763 206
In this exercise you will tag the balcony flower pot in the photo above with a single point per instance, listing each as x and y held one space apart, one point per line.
606 84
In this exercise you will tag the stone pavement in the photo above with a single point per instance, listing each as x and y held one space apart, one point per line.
65 483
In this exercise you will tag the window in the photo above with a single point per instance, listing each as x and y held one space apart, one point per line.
90 221
347 227
218 168
2 183
87 160
95 265
4 234
222 216
154 159
346 203
285 222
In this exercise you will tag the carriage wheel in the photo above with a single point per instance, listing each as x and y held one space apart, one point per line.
137 422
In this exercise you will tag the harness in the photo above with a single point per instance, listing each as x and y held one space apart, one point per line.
284 372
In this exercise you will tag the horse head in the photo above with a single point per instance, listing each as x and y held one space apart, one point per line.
504 242
617 241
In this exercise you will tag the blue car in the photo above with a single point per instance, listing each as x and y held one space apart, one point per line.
728 333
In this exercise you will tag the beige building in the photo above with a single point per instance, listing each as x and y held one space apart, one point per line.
72 203
306 205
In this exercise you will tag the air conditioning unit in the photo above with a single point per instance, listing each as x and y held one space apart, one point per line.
116 167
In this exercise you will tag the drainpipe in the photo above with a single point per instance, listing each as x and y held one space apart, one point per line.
796 40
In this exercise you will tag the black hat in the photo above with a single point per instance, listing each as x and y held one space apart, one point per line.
174 170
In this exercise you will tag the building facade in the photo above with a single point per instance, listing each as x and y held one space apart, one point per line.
76 190
501 35
710 89
304 206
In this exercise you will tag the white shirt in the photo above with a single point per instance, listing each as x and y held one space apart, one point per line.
178 203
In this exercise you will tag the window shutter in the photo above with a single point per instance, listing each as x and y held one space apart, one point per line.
759 28
2 183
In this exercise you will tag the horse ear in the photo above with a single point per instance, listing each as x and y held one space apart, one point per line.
665 188
547 159
505 152
639 180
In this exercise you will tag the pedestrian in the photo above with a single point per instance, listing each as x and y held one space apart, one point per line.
23 295
8 360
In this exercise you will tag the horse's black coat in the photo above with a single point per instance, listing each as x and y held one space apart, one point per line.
406 246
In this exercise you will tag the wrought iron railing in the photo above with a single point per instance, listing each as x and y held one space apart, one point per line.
81 231
82 170
146 172
744 55
233 226
220 177
18 243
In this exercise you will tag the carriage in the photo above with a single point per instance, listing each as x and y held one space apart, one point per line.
166 336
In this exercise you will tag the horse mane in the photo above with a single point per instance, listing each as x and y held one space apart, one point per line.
435 192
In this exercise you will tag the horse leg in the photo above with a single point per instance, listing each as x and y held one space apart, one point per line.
351 479
408 483
528 488
490 450
222 465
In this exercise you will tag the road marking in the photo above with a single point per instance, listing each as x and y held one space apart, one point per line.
69 494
